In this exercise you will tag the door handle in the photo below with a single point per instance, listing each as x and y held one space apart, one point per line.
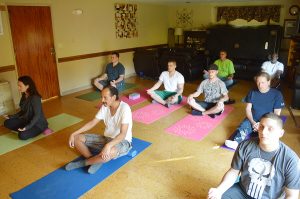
52 51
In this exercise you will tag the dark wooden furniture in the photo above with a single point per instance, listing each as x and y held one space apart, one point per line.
195 40
293 59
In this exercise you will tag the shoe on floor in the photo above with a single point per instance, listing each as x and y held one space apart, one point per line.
231 144
230 101
196 112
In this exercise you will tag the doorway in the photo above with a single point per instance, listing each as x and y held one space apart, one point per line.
32 35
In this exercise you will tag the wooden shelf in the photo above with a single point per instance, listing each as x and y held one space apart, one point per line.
293 58
195 39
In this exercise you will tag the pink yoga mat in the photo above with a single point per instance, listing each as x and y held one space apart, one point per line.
153 112
197 127
143 97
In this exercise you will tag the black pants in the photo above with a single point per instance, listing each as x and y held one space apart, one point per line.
16 123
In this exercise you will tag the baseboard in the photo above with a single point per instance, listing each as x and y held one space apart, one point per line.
75 90
67 92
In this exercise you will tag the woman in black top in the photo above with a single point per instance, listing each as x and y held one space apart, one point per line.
30 120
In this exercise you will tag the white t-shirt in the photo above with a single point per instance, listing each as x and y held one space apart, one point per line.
113 124
171 83
270 68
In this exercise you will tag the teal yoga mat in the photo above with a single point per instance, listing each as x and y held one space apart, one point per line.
95 95
10 141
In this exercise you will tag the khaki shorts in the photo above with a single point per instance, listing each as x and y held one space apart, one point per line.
95 143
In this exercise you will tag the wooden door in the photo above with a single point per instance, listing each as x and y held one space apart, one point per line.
31 29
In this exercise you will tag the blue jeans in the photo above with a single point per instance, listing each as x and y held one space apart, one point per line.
243 131
228 82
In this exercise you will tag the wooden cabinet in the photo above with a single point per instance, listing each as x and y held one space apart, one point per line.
293 58
195 39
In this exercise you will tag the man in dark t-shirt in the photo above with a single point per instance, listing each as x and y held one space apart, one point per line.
113 75
267 167
259 102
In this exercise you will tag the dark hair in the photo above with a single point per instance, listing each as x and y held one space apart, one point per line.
27 81
262 74
113 91
116 53
172 61
275 117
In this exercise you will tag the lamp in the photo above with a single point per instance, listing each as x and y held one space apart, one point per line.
178 32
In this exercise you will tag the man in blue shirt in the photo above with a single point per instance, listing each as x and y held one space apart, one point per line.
259 102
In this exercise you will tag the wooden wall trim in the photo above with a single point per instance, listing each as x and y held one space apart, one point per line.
7 68
2 8
105 53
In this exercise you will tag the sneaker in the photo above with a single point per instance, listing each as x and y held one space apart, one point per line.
196 112
231 144
230 101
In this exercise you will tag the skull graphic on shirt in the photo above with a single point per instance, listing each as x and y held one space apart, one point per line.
261 173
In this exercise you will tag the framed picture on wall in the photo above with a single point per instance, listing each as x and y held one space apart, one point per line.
290 26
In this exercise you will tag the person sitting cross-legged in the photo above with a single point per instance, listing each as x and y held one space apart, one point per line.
173 82
267 167
259 102
215 93
275 69
116 142
114 74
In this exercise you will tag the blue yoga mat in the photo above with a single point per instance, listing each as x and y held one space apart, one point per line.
62 184
283 117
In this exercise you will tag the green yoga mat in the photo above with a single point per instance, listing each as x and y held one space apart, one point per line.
95 95
10 141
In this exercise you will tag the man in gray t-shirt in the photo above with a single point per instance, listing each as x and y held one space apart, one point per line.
267 167
215 94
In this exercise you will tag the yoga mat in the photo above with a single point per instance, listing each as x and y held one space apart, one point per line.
61 184
10 141
197 127
129 86
95 95
153 112
143 97
91 96
254 134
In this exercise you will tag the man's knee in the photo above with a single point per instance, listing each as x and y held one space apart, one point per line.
80 138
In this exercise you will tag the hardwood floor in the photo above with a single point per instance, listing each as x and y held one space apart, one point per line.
172 167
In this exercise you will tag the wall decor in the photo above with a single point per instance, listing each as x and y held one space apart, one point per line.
184 18
126 20
290 28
